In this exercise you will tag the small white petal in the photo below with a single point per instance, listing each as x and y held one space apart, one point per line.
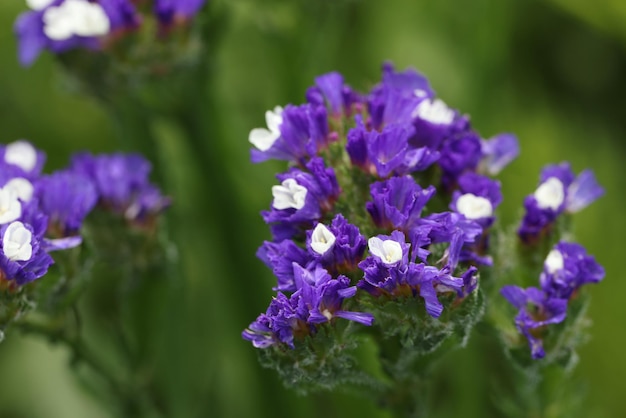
554 262
10 206
434 111
474 207
389 251
273 119
262 138
289 195
550 194
21 154
16 242
39 4
322 239
21 187
75 18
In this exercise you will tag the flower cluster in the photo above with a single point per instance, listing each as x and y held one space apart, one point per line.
40 213
387 197
61 25
566 268
559 191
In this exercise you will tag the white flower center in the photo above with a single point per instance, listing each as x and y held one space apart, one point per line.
474 207
554 261
263 138
327 314
75 18
21 187
10 206
289 195
322 239
21 154
550 194
434 111
39 4
16 242
420 93
389 251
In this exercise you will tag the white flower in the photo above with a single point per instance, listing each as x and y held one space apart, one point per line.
389 251
554 262
322 239
289 195
550 194
16 242
21 187
474 207
75 18
39 4
434 111
263 138
21 154
10 206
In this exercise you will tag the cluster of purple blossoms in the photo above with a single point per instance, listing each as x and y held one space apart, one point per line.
40 213
559 191
61 25
360 164
566 268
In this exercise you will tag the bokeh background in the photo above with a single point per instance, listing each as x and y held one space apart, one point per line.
550 71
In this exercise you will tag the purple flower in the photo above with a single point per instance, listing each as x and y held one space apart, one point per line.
434 122
477 198
22 257
537 309
459 154
559 191
567 267
294 134
173 11
281 257
283 318
388 271
398 202
66 198
339 248
396 98
498 152
330 91
324 296
318 299
448 227
301 198
61 25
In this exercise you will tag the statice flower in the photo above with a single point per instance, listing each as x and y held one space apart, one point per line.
301 198
318 299
477 198
22 256
61 25
390 271
559 191
21 159
295 133
330 91
122 184
66 198
537 309
566 268
498 152
358 208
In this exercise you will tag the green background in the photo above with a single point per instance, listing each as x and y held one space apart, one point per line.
551 72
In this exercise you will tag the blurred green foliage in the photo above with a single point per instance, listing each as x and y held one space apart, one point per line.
551 72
